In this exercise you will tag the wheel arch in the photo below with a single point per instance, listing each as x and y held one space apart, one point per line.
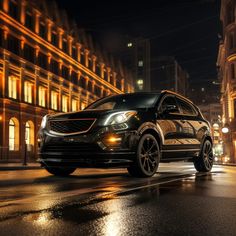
206 137
154 133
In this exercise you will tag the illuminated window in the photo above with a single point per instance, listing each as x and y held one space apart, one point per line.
29 135
140 63
65 103
140 82
13 134
129 45
54 100
12 87
74 105
42 96
28 92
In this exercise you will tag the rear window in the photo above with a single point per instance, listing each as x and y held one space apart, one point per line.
186 108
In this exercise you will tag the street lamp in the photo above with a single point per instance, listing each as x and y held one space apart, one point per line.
225 130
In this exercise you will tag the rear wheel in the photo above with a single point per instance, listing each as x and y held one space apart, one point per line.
147 158
60 171
204 161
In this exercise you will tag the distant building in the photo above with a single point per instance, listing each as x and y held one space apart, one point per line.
135 54
204 93
47 65
212 112
168 74
226 63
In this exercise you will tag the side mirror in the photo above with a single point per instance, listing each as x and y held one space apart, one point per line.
170 109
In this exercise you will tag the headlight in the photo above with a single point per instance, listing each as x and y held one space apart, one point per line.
44 122
119 117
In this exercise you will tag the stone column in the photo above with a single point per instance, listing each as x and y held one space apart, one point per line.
70 40
78 46
70 96
108 74
36 20
60 34
49 30
6 5
114 78
5 74
102 65
21 80
94 59
86 54
22 11
36 86
49 91
122 85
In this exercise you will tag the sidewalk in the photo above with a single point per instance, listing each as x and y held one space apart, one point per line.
19 166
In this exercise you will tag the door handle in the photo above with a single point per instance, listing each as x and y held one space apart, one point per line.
183 121
199 122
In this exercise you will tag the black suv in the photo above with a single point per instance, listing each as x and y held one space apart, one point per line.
136 131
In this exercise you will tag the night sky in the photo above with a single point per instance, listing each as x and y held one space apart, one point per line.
188 30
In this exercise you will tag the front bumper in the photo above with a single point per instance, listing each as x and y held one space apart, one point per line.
88 150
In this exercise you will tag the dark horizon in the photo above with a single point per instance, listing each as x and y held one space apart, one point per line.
187 30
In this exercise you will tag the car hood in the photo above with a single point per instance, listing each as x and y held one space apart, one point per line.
82 114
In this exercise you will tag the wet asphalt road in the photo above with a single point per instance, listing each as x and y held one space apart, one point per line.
176 201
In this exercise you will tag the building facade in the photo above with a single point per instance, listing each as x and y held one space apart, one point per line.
168 74
226 63
135 53
140 55
205 92
47 65
212 112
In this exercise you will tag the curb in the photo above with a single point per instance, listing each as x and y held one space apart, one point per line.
6 168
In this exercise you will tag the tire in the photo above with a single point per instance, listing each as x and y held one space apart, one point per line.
60 171
204 162
147 157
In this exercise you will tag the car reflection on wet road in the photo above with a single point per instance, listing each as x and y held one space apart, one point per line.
176 201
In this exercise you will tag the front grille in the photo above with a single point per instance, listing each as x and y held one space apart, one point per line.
71 126
72 148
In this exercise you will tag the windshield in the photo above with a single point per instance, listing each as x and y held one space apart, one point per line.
127 101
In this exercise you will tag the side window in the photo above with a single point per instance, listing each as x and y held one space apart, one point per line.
186 108
168 101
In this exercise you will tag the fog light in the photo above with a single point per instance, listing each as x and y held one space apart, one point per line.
112 140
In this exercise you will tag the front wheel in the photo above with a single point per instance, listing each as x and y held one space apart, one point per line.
60 171
204 162
147 158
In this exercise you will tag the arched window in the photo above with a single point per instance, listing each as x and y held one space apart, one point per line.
13 134
29 135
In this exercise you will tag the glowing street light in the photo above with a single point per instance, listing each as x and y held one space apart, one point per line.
225 130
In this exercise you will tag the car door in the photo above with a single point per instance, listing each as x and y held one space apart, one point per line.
173 128
191 124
